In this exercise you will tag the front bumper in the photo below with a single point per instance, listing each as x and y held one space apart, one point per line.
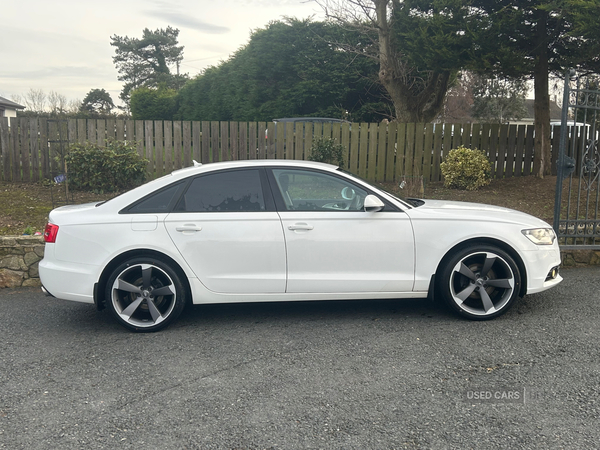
540 264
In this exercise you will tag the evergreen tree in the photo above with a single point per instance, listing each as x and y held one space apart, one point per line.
97 102
148 61
288 69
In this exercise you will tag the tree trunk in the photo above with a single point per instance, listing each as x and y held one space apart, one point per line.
422 106
542 164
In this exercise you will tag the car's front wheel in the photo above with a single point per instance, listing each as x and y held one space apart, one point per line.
145 294
480 282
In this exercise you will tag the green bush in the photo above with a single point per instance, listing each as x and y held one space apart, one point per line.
326 150
466 168
116 167
153 104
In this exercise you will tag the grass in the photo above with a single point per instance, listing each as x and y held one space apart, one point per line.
27 205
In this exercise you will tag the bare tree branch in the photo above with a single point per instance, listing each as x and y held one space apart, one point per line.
35 100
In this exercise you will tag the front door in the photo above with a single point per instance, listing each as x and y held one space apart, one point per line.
333 245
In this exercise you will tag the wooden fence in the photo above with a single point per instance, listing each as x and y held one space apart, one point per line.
377 152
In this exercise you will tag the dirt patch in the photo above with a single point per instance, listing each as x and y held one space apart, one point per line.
27 205
527 194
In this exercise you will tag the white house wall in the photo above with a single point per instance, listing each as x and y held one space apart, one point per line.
8 112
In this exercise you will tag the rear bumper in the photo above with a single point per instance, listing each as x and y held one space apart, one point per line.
68 281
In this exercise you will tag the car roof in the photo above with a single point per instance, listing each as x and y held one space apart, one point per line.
291 163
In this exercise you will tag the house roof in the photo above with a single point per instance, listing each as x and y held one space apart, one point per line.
555 110
10 104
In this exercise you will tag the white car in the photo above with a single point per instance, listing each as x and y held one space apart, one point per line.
274 230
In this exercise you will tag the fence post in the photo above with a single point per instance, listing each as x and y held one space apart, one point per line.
427 152
224 142
196 136
186 128
149 141
501 151
168 147
248 135
4 146
158 144
391 151
35 150
205 142
437 153
372 155
14 147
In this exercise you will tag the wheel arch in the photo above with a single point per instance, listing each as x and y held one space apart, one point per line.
100 286
488 241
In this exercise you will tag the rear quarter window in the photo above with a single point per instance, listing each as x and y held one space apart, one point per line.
161 201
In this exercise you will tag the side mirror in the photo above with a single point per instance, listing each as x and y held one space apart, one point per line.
373 203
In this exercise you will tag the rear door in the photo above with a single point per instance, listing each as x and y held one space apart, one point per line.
226 228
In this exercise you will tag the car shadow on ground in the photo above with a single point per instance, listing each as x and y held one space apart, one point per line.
339 310
84 318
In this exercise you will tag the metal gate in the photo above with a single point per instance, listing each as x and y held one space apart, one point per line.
576 207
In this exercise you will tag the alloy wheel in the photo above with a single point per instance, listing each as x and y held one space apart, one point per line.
143 295
482 283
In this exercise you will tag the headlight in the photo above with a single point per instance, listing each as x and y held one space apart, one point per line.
540 236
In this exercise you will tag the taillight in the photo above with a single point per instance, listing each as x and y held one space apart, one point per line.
50 233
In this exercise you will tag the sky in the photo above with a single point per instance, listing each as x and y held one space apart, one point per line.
64 45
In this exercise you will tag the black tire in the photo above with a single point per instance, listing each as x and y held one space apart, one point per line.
480 282
145 294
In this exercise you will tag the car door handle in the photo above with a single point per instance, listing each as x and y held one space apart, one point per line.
300 226
189 228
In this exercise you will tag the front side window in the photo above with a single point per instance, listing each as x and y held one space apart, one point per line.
231 191
304 190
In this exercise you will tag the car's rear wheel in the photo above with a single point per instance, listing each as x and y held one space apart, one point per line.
145 294
480 282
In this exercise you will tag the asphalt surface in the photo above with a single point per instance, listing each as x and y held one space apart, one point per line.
352 375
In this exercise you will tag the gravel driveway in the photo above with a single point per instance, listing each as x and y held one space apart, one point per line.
352 375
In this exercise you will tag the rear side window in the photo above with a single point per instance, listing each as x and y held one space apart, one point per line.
158 202
232 191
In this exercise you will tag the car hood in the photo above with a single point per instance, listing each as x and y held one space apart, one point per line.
466 210
463 206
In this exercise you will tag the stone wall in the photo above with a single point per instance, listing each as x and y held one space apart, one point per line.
577 258
20 255
19 258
